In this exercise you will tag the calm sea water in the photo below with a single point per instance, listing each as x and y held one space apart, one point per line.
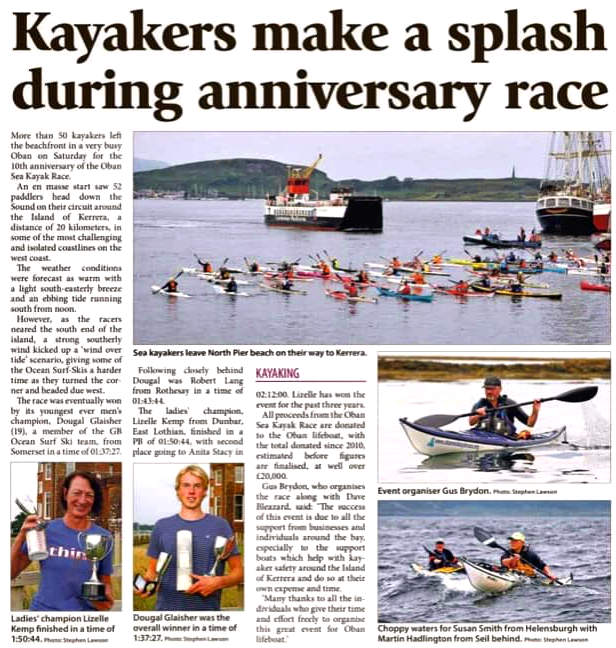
584 459
408 597
168 233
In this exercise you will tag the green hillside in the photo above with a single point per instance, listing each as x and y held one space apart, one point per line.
252 178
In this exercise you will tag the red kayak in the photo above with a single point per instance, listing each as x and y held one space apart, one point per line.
341 294
587 285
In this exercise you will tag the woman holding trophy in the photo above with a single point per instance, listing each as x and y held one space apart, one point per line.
74 553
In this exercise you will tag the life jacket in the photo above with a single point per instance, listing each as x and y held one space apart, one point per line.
172 286
207 267
405 290
418 278
396 263
352 290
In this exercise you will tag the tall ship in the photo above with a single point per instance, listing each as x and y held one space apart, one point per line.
342 211
574 196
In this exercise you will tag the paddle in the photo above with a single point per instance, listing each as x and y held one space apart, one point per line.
578 395
488 540
155 292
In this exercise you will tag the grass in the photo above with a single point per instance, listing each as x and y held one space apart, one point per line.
232 597
448 369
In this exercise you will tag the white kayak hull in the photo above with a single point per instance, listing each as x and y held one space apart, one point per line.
156 290
486 580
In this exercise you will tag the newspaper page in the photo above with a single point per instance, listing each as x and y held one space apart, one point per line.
309 323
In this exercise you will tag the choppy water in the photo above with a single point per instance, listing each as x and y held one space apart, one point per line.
569 545
584 459
167 233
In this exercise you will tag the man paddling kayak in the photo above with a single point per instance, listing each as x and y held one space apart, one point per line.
441 557
501 421
231 286
520 557
170 287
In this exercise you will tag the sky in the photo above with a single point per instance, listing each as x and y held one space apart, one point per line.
154 494
362 155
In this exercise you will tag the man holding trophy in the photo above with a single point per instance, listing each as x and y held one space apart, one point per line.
73 553
188 551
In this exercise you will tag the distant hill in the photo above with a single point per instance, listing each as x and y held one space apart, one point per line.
254 178
139 164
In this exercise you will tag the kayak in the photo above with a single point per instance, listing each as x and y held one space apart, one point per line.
276 275
510 293
221 291
526 293
433 441
487 578
388 292
165 293
341 294
458 569
404 270
291 291
456 293
495 242
493 580
587 285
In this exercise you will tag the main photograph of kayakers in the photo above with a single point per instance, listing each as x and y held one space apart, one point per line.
371 238
513 560
485 418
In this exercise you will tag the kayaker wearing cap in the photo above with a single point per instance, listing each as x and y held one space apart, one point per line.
441 557
520 554
502 420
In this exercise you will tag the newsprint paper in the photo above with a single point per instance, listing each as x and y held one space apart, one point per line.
308 333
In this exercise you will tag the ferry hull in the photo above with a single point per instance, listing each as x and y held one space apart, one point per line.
358 214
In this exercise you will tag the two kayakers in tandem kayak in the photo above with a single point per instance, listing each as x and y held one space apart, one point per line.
501 421
440 557
521 558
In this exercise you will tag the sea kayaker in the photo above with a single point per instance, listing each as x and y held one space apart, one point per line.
231 286
441 556
325 269
253 267
520 554
335 263
362 277
418 278
223 273
405 288
461 288
287 285
501 421
485 280
522 235
351 288
206 266
171 286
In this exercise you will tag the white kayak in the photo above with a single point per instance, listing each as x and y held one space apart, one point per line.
490 579
485 578
156 290
221 291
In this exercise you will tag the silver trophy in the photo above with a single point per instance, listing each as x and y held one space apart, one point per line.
36 540
149 587
96 547
184 559
222 550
